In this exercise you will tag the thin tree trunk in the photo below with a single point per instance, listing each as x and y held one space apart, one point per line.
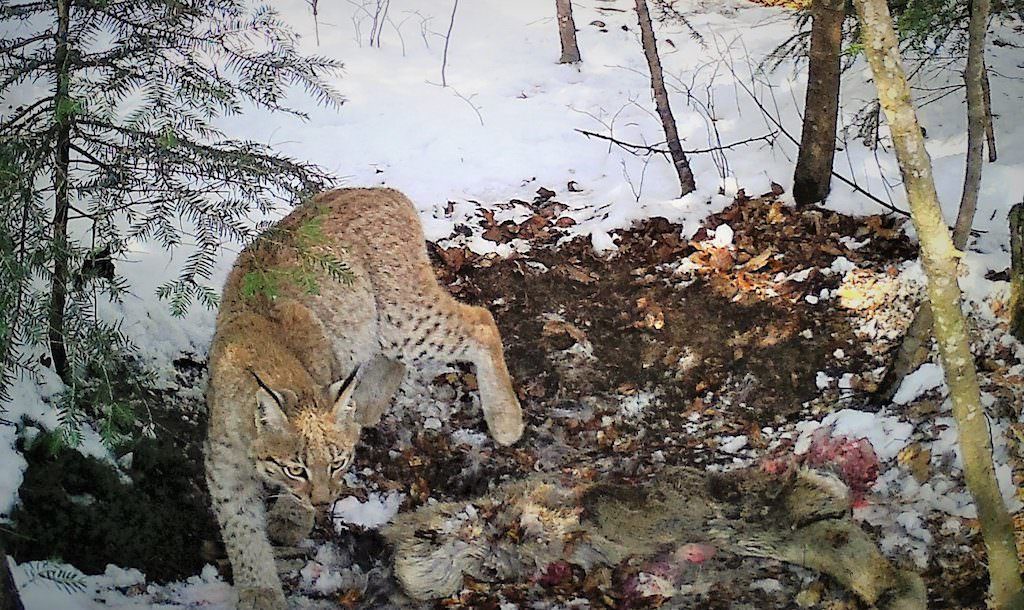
1017 271
913 351
974 78
675 148
316 20
9 597
448 39
939 259
567 33
61 153
990 129
813 175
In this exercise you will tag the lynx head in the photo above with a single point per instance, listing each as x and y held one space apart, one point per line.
305 442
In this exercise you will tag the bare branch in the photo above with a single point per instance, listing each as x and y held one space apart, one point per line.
635 148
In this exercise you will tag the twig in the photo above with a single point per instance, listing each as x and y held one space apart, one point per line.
638 190
609 125
469 100
316 20
447 38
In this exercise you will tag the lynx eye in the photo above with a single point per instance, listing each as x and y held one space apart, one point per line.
340 464
294 472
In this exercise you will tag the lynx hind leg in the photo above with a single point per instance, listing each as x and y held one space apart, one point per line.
238 506
501 408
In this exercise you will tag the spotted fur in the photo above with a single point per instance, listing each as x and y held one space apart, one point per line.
295 375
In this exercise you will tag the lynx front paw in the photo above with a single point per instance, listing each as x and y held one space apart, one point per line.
505 422
289 522
261 599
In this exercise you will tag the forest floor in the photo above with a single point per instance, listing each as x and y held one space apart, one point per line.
720 330
727 349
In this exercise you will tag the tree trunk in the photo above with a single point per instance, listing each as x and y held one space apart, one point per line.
990 129
675 148
9 597
1017 271
567 33
813 175
62 202
974 79
939 259
914 349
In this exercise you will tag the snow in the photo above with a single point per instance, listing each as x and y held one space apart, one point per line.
378 510
318 575
928 377
463 436
507 125
841 265
634 406
722 236
886 433
116 588
732 444
821 379
768 585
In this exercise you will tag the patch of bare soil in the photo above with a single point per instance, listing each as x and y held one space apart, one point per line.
723 320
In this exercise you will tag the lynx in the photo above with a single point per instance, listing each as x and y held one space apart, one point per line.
301 361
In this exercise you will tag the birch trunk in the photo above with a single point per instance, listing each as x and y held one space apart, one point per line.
813 175
567 33
939 259
668 122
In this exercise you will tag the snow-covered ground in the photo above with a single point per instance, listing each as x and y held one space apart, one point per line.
506 124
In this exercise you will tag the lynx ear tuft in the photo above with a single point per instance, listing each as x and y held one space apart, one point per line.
270 407
341 393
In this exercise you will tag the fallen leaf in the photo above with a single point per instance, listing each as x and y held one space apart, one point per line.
917 460
488 218
557 327
760 260
721 259
453 258
875 223
497 234
577 273
775 213
351 598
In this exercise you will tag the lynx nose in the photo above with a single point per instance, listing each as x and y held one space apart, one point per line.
321 498
321 495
